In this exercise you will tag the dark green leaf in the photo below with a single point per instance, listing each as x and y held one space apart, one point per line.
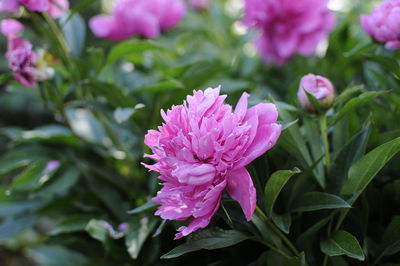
343 243
274 186
144 207
282 221
71 224
355 103
365 169
131 47
208 239
351 152
13 226
313 201
140 228
56 256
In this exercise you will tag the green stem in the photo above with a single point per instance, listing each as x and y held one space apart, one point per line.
277 250
324 133
279 232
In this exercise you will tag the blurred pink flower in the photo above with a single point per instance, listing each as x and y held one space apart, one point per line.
321 88
288 27
21 60
11 27
35 5
9 6
202 148
57 8
146 18
199 4
383 24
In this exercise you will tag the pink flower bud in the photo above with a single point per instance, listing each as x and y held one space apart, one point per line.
383 24
321 88
11 27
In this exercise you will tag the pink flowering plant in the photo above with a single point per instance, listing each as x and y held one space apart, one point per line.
183 132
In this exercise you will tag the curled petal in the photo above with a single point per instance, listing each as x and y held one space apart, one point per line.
240 187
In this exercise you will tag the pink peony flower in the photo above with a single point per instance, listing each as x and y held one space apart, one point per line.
383 24
21 60
35 5
9 6
321 88
11 27
288 27
199 4
57 8
202 149
146 18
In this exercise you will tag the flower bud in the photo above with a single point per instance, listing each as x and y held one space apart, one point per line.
319 87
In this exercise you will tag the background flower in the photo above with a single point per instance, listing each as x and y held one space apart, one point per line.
146 18
383 24
287 27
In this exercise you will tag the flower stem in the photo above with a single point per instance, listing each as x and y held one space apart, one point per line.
324 133
278 232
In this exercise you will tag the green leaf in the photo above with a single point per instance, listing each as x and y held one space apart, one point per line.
71 224
123 114
391 238
208 239
282 221
348 94
355 103
162 86
305 237
96 229
115 95
131 47
15 208
342 243
85 125
313 201
75 33
32 178
53 133
351 152
56 256
140 228
274 186
79 6
61 183
12 226
365 169
144 207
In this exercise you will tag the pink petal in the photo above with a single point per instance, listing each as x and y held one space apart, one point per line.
58 8
11 27
241 107
240 187
192 174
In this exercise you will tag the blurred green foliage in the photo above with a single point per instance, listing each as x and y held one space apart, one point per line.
92 116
